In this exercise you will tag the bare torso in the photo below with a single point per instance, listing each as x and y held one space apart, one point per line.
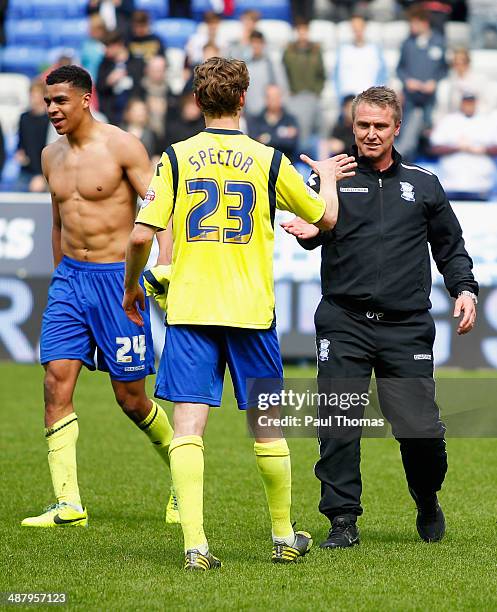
93 194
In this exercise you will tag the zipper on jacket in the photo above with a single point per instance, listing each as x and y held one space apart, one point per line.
380 242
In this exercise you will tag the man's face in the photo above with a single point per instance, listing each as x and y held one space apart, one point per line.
358 26
114 51
212 28
419 26
156 69
140 28
66 106
460 62
468 106
375 129
273 99
36 99
257 47
210 51
302 33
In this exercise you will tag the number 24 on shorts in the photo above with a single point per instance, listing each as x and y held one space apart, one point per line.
139 348
196 227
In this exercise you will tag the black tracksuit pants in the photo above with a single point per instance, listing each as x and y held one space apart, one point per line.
351 343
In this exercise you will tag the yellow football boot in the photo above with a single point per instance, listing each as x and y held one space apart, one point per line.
58 515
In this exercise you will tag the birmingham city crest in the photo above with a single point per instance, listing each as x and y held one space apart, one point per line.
324 349
407 191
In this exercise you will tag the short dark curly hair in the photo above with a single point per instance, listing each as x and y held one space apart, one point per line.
77 76
218 84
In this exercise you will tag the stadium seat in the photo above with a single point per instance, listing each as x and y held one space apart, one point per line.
269 9
55 53
343 32
373 32
278 33
391 60
199 7
158 9
19 9
26 60
174 32
175 64
484 61
9 118
68 32
10 175
14 91
330 109
27 32
230 30
58 9
329 60
323 32
382 10
276 56
394 33
458 34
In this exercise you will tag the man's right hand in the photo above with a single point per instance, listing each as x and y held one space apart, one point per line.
300 228
338 167
133 302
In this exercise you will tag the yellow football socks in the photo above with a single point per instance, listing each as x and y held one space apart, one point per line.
187 470
273 462
61 438
158 430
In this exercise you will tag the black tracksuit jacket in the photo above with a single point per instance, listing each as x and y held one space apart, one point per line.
376 257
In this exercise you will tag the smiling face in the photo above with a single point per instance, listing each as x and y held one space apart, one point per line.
375 128
67 106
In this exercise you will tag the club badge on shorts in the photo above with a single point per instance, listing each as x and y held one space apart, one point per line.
324 349
407 191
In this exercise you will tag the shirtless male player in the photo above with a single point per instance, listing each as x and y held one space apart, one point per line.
94 172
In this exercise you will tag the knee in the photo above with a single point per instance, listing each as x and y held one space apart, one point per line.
132 404
56 392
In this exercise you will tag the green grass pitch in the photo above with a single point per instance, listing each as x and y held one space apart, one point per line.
128 559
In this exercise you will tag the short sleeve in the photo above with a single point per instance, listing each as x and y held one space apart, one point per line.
294 195
158 203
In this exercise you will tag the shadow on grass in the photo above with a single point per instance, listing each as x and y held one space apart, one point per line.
389 536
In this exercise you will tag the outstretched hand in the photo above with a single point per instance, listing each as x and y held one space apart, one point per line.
339 167
300 228
133 302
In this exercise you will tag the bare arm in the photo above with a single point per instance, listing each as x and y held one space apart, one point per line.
137 253
165 241
56 220
56 235
135 162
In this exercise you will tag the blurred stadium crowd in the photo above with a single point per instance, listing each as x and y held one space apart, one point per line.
306 59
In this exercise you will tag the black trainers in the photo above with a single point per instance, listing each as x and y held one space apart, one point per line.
430 521
343 532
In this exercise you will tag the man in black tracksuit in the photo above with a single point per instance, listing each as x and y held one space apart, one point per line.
374 314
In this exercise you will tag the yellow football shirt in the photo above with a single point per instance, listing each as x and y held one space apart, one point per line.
222 189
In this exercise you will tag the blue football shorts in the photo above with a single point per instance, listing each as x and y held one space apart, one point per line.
84 313
194 361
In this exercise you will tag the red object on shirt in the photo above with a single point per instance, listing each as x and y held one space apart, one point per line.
229 7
